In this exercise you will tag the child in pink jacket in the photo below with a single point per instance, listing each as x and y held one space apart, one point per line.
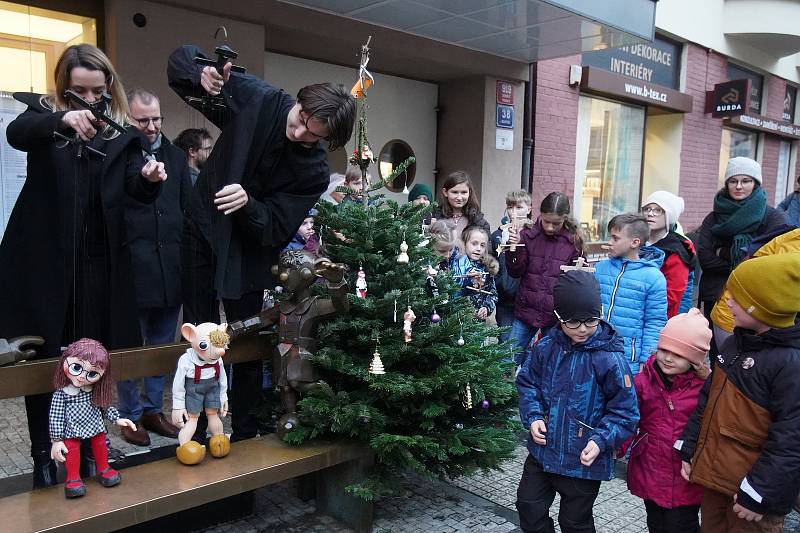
667 388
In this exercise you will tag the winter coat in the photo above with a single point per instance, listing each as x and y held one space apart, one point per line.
37 254
538 265
744 437
791 207
654 468
634 297
583 392
714 253
155 232
507 285
283 179
679 263
460 267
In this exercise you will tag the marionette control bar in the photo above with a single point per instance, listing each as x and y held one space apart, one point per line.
99 108
224 55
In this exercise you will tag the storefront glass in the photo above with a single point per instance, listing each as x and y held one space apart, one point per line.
608 166
735 143
784 184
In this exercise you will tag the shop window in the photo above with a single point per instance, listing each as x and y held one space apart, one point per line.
735 72
735 143
608 166
784 184
392 154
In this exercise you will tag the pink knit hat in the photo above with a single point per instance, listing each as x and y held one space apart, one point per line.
687 335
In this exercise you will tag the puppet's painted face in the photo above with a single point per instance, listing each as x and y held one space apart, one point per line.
209 340
81 372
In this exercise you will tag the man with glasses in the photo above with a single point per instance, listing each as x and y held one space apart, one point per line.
267 169
196 144
154 239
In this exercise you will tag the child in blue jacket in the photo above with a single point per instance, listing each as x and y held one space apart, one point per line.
632 287
578 402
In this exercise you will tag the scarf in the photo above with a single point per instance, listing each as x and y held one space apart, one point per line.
738 220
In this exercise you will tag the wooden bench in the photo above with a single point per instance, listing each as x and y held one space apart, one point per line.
157 489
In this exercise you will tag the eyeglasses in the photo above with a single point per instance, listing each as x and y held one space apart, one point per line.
653 211
744 182
575 324
305 125
76 369
144 122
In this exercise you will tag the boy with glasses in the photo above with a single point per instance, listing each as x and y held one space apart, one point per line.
632 287
578 402
267 169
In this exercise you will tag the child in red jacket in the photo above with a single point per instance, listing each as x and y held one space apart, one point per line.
668 388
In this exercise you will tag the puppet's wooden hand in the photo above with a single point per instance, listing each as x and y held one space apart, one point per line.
231 198
58 451
126 422
211 81
223 411
333 272
179 417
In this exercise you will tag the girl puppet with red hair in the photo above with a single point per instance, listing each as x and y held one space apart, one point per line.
82 396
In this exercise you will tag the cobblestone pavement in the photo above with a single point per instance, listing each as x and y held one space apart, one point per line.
483 502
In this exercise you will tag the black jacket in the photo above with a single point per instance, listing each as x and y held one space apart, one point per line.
744 436
713 253
154 233
283 179
38 251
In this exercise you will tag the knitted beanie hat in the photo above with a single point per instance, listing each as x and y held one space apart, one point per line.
576 296
687 335
768 288
420 189
671 204
743 166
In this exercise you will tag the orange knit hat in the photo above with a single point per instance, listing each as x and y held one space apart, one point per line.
687 335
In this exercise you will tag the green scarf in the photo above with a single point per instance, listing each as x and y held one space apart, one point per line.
738 220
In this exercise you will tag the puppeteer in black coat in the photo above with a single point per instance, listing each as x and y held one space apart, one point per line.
283 179
67 225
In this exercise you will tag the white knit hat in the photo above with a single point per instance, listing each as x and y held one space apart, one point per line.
670 203
743 166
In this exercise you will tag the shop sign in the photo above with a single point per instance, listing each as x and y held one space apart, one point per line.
599 81
767 125
505 92
657 62
728 99
505 116
789 103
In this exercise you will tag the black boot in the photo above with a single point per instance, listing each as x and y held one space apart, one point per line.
44 470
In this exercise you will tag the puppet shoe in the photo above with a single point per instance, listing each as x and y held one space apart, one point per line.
109 477
74 489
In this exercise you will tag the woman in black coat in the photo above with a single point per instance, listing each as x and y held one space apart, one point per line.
64 260
740 214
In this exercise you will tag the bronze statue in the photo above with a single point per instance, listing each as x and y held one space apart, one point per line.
298 319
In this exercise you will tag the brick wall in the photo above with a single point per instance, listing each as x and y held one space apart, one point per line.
556 129
702 137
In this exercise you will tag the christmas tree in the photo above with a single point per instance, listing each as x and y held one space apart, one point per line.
437 399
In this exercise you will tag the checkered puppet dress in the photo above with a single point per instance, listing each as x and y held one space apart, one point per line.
75 417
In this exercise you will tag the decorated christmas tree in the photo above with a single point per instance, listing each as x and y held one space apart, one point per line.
438 401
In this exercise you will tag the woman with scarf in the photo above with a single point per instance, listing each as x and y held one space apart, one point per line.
740 214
